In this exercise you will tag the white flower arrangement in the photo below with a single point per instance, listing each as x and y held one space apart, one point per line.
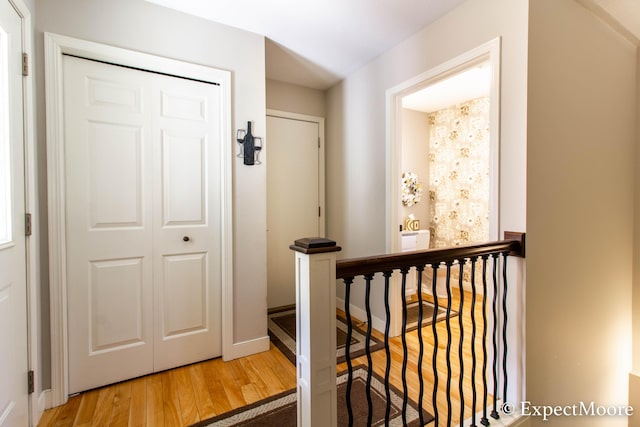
411 189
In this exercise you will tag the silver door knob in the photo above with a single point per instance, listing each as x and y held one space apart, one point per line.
186 238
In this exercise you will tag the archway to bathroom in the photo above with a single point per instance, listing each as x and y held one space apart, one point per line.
443 144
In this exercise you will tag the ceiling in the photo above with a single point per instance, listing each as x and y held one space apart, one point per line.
316 43
472 83
622 15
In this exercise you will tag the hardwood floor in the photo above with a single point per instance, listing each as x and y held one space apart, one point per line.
186 395
178 397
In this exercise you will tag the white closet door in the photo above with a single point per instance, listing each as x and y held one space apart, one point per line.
134 155
187 238
109 155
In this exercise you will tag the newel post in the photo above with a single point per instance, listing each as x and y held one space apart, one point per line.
316 331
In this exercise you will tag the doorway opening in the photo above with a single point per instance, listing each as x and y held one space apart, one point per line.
445 160
443 148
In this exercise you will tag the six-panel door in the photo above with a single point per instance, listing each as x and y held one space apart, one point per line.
143 221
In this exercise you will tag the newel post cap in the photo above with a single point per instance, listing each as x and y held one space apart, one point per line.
315 245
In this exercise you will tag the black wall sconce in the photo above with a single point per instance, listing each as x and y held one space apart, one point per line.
250 146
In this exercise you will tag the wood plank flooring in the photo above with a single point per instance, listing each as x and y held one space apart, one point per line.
178 397
186 395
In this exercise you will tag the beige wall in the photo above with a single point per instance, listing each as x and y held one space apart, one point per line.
580 187
142 26
295 99
634 377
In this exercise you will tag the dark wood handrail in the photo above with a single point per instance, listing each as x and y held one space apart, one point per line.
380 263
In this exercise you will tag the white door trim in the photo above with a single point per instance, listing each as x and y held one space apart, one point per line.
55 47
321 158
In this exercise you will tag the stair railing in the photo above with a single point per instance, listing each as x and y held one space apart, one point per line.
316 272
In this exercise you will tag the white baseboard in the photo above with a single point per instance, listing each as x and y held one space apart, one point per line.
247 348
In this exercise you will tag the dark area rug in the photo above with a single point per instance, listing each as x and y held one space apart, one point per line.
427 314
282 331
280 410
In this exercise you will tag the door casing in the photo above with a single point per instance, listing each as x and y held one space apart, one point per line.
55 47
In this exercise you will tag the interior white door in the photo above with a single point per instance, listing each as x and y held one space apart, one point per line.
13 288
109 185
293 200
187 235
142 206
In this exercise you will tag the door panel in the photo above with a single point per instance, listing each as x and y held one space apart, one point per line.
187 238
184 106
185 293
184 180
140 148
293 200
13 284
116 310
113 94
115 198
109 229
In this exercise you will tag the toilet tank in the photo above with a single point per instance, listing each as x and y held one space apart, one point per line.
415 240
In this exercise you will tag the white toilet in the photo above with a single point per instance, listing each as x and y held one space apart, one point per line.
415 240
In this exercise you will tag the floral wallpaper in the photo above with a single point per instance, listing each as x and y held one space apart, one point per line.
459 174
